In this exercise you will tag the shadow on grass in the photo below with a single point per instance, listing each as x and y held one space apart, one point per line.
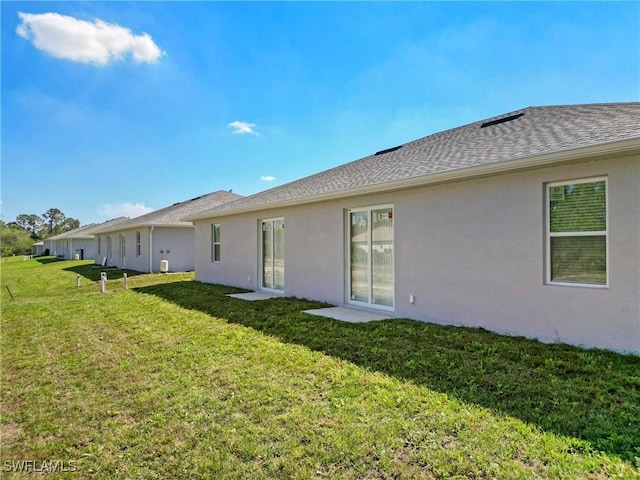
593 395
92 272
46 260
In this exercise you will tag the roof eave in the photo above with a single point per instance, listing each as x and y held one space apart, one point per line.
506 166
145 225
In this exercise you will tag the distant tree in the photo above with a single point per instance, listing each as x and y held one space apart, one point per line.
30 222
53 218
70 224
55 222
52 222
14 240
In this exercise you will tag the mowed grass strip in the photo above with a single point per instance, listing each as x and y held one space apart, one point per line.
172 379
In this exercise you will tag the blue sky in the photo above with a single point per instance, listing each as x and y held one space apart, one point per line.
117 108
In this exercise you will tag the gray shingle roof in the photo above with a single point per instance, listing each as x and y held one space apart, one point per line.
533 131
87 231
172 216
80 232
109 224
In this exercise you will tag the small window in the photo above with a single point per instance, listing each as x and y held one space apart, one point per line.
138 244
215 242
99 245
577 232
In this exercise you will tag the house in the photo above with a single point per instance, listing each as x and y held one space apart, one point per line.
141 243
67 245
79 243
38 248
527 223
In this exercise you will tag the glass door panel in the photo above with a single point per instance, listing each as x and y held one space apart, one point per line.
267 254
123 251
273 254
382 257
278 254
371 256
359 242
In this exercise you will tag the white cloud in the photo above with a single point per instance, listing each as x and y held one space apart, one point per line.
77 40
131 210
243 127
267 178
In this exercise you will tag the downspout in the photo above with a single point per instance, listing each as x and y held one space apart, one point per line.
151 249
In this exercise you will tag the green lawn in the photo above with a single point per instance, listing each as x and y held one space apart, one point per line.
172 379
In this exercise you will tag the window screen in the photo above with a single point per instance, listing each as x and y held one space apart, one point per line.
215 242
577 232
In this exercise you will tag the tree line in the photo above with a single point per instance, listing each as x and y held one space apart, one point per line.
18 236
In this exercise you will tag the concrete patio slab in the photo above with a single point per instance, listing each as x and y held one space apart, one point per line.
252 296
348 314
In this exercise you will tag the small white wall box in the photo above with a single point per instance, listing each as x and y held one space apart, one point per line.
164 266
412 299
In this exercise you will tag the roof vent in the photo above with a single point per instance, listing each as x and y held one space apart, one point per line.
185 201
501 120
382 152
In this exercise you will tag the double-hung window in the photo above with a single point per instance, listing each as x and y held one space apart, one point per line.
577 231
215 242
138 244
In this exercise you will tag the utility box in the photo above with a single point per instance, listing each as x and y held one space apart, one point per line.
164 266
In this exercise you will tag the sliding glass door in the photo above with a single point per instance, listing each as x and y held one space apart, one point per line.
371 256
272 233
123 251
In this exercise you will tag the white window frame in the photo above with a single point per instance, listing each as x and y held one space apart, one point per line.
215 226
138 244
369 209
261 284
109 248
550 235
123 250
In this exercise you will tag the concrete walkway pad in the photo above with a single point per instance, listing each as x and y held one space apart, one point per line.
347 314
253 296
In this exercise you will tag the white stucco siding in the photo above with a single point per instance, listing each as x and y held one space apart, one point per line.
314 234
481 260
238 265
85 248
101 248
132 260
174 244
471 253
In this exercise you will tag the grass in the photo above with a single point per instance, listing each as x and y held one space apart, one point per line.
172 379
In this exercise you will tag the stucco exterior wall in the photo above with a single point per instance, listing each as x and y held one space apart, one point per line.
70 247
471 253
85 248
238 264
101 248
481 261
174 244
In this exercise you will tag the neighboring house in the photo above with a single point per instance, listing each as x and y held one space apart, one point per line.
38 248
527 223
141 243
79 243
